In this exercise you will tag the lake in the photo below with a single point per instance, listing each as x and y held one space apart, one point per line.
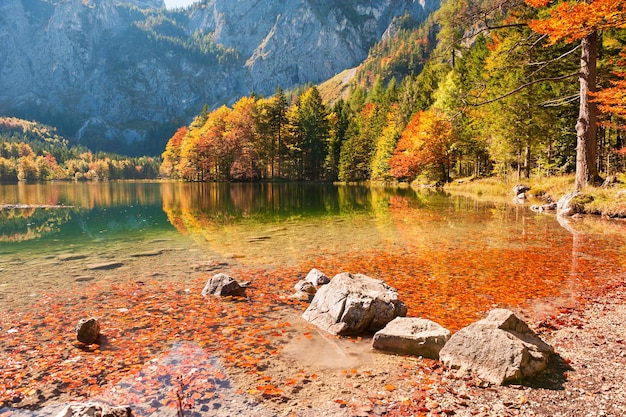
137 254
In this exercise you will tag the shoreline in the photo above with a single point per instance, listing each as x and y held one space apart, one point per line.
606 201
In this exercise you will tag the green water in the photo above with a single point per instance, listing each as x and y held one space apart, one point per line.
397 234
91 216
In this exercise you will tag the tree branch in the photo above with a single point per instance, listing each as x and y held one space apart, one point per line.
542 65
560 101
523 86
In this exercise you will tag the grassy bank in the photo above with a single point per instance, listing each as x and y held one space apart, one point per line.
607 201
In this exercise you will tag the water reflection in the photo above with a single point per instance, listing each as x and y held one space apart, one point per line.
291 223
84 195
58 216
22 224
221 203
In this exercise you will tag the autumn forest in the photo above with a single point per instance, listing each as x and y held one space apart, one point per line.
482 88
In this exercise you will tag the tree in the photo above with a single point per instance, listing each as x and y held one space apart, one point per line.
517 126
241 138
573 21
612 100
171 155
27 169
314 133
8 170
357 149
385 146
277 121
425 144
215 149
338 120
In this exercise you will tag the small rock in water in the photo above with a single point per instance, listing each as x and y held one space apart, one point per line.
83 279
306 287
104 265
71 256
258 239
88 331
223 285
207 266
156 252
94 409
317 277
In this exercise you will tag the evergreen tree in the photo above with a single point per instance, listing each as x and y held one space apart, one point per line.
314 133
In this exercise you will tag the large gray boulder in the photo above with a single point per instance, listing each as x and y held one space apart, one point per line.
412 336
223 285
498 349
353 304
304 291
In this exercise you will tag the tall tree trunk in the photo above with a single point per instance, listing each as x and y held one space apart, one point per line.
586 128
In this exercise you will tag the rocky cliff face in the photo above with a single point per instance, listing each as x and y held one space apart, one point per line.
114 72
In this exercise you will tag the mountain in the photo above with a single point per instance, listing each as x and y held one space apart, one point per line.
121 75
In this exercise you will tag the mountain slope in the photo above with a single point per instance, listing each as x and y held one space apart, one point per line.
114 73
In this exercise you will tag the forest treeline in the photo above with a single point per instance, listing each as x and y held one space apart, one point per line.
488 87
33 152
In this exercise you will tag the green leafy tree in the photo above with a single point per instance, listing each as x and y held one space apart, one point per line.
277 125
358 147
338 121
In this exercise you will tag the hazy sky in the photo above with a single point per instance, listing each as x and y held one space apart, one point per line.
170 4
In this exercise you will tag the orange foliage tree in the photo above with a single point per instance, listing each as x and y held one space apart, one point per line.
582 20
171 156
612 100
214 152
425 143
242 139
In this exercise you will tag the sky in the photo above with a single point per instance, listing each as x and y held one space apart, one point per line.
170 4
